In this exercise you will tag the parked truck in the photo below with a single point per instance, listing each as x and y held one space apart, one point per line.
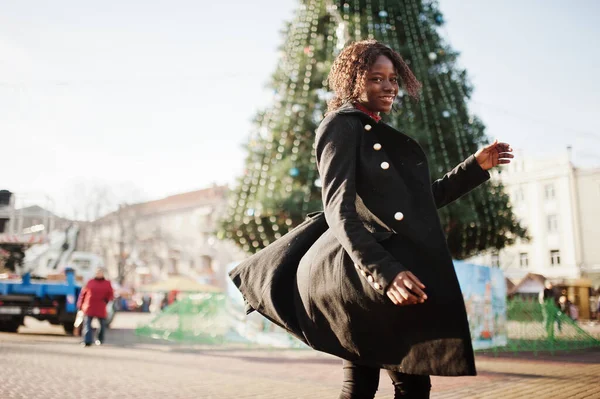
54 301
41 276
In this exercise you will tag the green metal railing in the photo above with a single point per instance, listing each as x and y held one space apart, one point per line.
211 319
199 318
535 327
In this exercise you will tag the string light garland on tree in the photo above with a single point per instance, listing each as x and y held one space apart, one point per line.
281 184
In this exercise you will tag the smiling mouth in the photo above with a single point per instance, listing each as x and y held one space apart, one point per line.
388 98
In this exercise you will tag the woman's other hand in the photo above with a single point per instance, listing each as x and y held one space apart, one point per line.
494 155
406 289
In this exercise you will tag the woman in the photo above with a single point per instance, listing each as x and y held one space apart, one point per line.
379 287
375 284
93 299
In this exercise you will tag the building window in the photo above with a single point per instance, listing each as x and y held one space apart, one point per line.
555 257
173 266
549 191
206 264
495 260
552 223
519 195
523 259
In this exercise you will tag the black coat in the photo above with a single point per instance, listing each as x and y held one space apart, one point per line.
327 285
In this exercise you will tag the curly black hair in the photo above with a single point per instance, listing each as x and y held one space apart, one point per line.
349 70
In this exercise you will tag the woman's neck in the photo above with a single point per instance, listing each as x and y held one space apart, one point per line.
374 115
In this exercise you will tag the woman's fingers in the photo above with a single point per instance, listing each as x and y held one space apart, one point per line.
394 296
506 155
406 289
415 279
390 295
500 145
505 146
401 297
407 295
412 285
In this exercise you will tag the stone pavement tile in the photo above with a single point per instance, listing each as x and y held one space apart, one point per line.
130 368
525 378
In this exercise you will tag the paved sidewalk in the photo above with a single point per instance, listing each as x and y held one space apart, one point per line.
46 364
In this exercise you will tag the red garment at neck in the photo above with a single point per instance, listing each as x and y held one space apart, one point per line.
368 112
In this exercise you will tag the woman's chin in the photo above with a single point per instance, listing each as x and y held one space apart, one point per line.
385 106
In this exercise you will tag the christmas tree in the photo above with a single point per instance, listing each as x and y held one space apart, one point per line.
281 185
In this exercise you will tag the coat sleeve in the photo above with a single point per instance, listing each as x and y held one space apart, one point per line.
458 182
110 294
336 149
81 298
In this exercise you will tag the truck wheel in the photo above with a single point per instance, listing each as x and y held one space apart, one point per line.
69 328
9 326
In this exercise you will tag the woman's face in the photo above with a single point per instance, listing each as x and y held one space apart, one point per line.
381 86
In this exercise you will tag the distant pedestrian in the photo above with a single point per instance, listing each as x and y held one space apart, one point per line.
146 303
173 296
92 301
549 294
573 311
165 301
549 301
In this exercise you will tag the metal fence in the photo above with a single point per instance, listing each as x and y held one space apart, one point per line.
209 318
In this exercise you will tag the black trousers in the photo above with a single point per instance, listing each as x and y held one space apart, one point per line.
361 382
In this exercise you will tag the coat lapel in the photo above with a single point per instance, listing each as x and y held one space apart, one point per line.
401 137
406 160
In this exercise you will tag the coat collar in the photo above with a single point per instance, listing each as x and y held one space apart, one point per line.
374 115
349 109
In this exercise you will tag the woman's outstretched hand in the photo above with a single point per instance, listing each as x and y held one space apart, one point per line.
493 155
406 289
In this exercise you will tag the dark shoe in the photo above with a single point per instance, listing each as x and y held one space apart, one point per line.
85 344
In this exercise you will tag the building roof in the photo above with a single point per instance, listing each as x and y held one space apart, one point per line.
178 283
35 211
176 202
587 171
509 285
529 277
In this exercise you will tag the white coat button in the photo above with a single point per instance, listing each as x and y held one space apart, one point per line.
356 266
377 146
385 165
367 127
363 273
370 278
377 286
398 216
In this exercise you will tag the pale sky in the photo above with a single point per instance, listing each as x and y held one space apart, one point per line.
159 95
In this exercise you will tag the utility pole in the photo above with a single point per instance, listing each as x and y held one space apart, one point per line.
121 262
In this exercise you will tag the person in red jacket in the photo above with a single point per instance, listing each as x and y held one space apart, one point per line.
92 301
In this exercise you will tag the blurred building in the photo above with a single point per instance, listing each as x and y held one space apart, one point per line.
558 203
149 241
21 213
